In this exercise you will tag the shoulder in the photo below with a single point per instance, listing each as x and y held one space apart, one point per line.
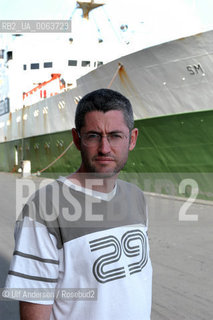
131 191
129 187
40 202
133 196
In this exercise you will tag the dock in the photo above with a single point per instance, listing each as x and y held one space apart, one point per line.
181 253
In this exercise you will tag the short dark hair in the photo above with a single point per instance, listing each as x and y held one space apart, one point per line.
103 100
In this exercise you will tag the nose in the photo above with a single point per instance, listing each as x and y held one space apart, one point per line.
104 145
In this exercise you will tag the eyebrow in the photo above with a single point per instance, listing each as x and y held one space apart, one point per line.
96 132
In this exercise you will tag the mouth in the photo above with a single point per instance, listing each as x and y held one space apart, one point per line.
104 159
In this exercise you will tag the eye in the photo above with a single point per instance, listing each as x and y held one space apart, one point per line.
116 136
92 136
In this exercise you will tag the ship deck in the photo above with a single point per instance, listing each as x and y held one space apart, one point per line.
181 253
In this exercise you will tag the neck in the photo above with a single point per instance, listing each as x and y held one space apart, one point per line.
93 181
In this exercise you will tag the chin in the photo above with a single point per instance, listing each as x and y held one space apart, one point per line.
103 171
103 175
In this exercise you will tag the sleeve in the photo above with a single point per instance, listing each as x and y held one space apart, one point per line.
34 267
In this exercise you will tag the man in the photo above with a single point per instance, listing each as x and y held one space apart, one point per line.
88 231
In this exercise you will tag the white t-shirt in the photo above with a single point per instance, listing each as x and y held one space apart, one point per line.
91 247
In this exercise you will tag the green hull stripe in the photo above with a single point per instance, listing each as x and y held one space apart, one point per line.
173 144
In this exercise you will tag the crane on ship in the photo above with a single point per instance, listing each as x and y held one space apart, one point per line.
88 6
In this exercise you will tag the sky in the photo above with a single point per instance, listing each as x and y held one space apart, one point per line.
149 21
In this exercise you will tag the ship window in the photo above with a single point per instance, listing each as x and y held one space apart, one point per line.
72 63
48 64
1 54
7 105
24 67
34 66
4 106
100 63
9 55
85 63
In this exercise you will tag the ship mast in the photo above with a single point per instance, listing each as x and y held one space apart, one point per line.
88 6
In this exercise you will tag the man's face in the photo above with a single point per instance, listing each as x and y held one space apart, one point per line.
104 158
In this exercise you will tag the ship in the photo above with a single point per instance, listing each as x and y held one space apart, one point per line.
170 88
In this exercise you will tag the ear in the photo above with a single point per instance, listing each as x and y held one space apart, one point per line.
133 139
76 139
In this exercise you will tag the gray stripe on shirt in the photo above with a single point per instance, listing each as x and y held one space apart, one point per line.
30 256
22 275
